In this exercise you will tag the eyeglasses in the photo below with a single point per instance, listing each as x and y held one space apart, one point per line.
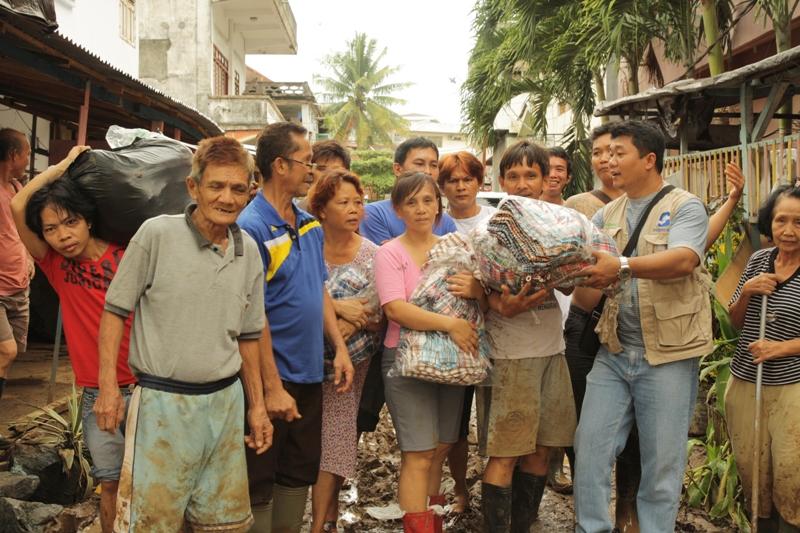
311 166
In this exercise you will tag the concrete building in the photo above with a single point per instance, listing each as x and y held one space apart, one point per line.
194 50
294 100
448 137
106 28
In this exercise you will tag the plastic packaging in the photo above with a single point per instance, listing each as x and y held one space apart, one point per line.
432 355
352 281
134 183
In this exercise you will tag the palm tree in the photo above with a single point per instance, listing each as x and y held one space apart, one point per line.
558 51
358 95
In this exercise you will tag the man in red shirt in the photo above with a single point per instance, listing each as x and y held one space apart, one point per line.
15 266
54 219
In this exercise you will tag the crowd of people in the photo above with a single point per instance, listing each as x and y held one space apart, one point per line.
231 356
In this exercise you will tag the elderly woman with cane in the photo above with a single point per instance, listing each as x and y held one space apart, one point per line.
763 394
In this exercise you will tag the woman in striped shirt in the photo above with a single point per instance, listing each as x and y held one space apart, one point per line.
774 272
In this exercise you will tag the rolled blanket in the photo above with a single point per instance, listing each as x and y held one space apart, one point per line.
532 241
432 355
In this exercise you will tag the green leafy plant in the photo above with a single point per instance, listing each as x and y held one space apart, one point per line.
715 485
375 169
65 434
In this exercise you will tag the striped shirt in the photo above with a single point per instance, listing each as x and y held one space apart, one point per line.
783 323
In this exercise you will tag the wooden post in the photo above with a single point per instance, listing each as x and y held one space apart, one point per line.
83 117
32 166
177 133
157 125
745 135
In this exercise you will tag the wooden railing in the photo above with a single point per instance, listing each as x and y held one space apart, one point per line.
770 163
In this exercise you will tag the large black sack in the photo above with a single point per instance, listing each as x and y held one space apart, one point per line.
134 183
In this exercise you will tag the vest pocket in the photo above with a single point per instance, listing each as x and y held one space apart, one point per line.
656 242
678 325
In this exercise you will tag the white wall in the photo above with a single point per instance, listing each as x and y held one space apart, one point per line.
95 25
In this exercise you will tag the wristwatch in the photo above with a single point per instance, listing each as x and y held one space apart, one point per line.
624 273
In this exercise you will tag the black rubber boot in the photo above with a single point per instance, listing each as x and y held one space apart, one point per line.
527 492
496 508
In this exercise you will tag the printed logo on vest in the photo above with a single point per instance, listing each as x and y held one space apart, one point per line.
664 221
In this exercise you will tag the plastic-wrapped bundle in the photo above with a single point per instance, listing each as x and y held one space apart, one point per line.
134 183
529 240
352 281
432 355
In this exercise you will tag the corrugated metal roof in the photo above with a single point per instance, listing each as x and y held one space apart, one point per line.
79 49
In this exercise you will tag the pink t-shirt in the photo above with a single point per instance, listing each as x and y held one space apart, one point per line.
396 277
14 257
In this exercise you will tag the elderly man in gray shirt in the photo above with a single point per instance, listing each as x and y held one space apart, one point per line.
195 285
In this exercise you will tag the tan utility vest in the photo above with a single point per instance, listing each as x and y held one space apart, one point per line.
675 314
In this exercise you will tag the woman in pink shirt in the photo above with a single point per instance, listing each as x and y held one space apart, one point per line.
425 415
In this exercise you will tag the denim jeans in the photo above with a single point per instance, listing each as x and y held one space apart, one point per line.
623 388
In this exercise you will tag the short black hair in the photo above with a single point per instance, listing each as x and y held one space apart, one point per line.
645 136
557 151
11 141
63 194
409 184
331 149
524 152
767 210
401 152
599 131
275 141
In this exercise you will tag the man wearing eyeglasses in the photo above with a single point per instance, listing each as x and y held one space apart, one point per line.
300 311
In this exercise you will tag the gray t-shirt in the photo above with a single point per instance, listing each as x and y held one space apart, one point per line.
191 300
688 228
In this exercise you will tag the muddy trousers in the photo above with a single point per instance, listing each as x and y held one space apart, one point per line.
283 513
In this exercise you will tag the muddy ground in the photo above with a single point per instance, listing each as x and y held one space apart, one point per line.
376 486
29 380
379 459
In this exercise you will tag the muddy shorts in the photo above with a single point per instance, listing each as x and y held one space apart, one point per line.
14 317
423 413
779 470
529 403
293 460
106 449
184 460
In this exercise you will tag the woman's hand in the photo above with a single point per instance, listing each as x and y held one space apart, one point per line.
464 335
764 350
465 285
761 284
346 328
354 310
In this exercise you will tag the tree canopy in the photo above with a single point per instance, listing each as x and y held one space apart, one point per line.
358 94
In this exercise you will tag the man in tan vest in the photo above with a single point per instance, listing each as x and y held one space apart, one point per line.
653 333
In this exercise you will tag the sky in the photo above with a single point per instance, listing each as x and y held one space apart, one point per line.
430 40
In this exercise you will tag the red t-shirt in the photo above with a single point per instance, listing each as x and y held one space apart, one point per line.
81 286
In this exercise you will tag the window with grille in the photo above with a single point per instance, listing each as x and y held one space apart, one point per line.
127 21
235 83
220 73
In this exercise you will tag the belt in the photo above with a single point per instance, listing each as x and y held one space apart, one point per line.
580 312
183 387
